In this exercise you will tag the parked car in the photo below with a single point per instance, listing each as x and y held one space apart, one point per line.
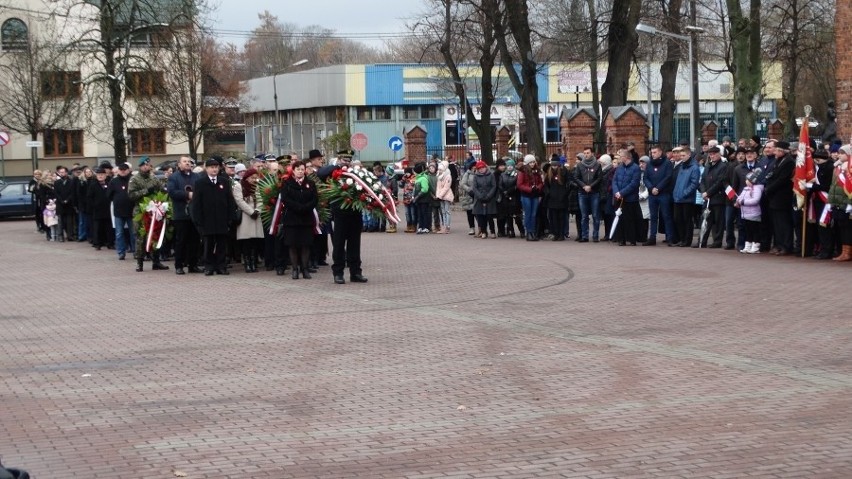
15 200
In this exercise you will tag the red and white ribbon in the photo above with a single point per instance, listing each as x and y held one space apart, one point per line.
390 211
157 211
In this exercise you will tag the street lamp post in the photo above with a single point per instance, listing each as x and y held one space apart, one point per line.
276 137
693 80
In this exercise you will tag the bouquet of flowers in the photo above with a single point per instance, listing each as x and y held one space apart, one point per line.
357 188
153 216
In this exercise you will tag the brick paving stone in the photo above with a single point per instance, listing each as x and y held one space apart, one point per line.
570 360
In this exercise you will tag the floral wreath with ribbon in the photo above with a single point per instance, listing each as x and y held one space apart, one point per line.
357 188
154 217
271 204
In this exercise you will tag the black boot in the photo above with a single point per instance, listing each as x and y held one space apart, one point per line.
306 272
139 263
246 263
157 266
254 262
295 274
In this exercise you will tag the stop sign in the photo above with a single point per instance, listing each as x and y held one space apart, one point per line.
358 141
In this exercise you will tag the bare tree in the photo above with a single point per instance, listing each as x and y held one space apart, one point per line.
672 16
621 42
199 86
41 87
746 65
515 42
805 31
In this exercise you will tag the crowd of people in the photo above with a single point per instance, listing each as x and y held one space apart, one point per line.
740 197
214 220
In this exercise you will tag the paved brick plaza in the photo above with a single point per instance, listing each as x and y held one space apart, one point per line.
462 357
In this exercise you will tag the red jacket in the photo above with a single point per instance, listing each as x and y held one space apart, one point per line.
530 182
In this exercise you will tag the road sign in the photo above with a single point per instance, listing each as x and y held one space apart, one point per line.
4 138
358 141
395 143
33 144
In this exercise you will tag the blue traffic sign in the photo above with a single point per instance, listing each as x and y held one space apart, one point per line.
395 143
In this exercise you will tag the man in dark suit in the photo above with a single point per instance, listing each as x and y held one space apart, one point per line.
212 203
779 194
346 235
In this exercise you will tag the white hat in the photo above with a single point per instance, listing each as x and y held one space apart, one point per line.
605 160
529 159
239 168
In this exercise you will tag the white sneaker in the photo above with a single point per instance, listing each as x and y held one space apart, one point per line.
755 248
747 248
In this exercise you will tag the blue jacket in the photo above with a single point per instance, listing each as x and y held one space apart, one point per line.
658 174
626 182
686 183
177 192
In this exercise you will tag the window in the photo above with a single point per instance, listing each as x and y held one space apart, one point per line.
13 35
147 140
552 130
63 142
383 113
411 113
364 113
60 84
429 112
144 83
319 117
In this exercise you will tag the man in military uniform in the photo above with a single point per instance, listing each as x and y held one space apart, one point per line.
346 235
142 185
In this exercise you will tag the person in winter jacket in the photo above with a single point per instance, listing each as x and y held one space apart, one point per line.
422 198
530 188
511 202
748 202
840 198
556 190
588 176
687 174
122 209
659 181
444 194
465 198
484 194
98 197
625 193
51 220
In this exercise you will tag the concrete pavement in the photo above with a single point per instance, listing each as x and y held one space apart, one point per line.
461 357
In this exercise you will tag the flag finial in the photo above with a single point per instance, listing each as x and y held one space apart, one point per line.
808 110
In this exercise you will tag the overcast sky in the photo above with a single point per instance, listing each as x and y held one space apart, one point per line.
362 18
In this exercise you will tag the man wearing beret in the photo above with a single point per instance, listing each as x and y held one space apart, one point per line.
212 204
142 185
346 236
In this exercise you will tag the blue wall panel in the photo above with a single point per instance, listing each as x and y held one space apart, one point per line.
384 84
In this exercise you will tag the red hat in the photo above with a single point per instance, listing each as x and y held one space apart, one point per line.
480 164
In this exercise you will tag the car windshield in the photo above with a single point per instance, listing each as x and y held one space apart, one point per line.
13 189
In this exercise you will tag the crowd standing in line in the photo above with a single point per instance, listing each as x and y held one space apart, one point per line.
740 198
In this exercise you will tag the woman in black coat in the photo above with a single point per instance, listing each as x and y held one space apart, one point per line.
556 191
299 195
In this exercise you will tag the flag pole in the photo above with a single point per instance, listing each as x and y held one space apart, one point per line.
804 230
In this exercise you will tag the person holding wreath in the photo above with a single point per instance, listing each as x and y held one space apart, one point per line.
299 222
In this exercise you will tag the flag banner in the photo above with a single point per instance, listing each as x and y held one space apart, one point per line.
805 172
730 193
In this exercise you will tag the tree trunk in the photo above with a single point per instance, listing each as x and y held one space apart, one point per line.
747 63
621 43
114 77
592 53
668 74
526 84
792 77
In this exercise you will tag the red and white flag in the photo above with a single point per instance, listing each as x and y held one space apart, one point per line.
730 193
845 179
804 166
